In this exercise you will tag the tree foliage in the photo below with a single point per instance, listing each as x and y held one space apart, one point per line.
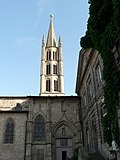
102 31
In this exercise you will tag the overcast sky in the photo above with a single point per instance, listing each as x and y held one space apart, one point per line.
22 24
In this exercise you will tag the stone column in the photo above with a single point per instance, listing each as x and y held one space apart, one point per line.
28 140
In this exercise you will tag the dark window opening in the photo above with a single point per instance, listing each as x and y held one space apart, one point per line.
54 55
48 69
55 85
54 69
48 85
9 131
64 155
48 55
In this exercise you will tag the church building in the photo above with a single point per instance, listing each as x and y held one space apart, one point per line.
47 126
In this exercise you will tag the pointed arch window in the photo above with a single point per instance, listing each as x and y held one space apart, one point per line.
48 55
54 55
55 85
55 69
48 69
39 128
48 85
9 131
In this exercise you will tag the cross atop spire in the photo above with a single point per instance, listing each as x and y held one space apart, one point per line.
51 39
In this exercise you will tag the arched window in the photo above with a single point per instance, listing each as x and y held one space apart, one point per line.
55 85
39 129
48 85
55 69
9 131
48 55
48 69
54 55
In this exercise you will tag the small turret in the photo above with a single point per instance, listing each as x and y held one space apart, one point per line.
60 41
43 41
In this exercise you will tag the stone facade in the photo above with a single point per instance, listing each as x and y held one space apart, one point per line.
89 87
62 127
15 150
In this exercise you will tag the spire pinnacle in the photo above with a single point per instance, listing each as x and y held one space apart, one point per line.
51 39
60 39
43 40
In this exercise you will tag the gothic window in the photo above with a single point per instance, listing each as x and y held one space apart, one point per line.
54 55
55 85
98 74
54 69
48 55
48 85
48 69
39 129
9 131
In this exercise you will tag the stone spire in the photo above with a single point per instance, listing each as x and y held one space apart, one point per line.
51 78
51 39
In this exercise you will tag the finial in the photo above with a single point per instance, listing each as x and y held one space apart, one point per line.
51 15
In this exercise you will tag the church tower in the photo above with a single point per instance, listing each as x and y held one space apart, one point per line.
51 78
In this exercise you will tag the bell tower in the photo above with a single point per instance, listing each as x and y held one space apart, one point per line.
51 78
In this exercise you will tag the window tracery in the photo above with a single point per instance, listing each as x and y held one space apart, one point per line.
9 131
39 128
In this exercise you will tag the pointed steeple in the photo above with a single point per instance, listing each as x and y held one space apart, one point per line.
51 39
51 77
